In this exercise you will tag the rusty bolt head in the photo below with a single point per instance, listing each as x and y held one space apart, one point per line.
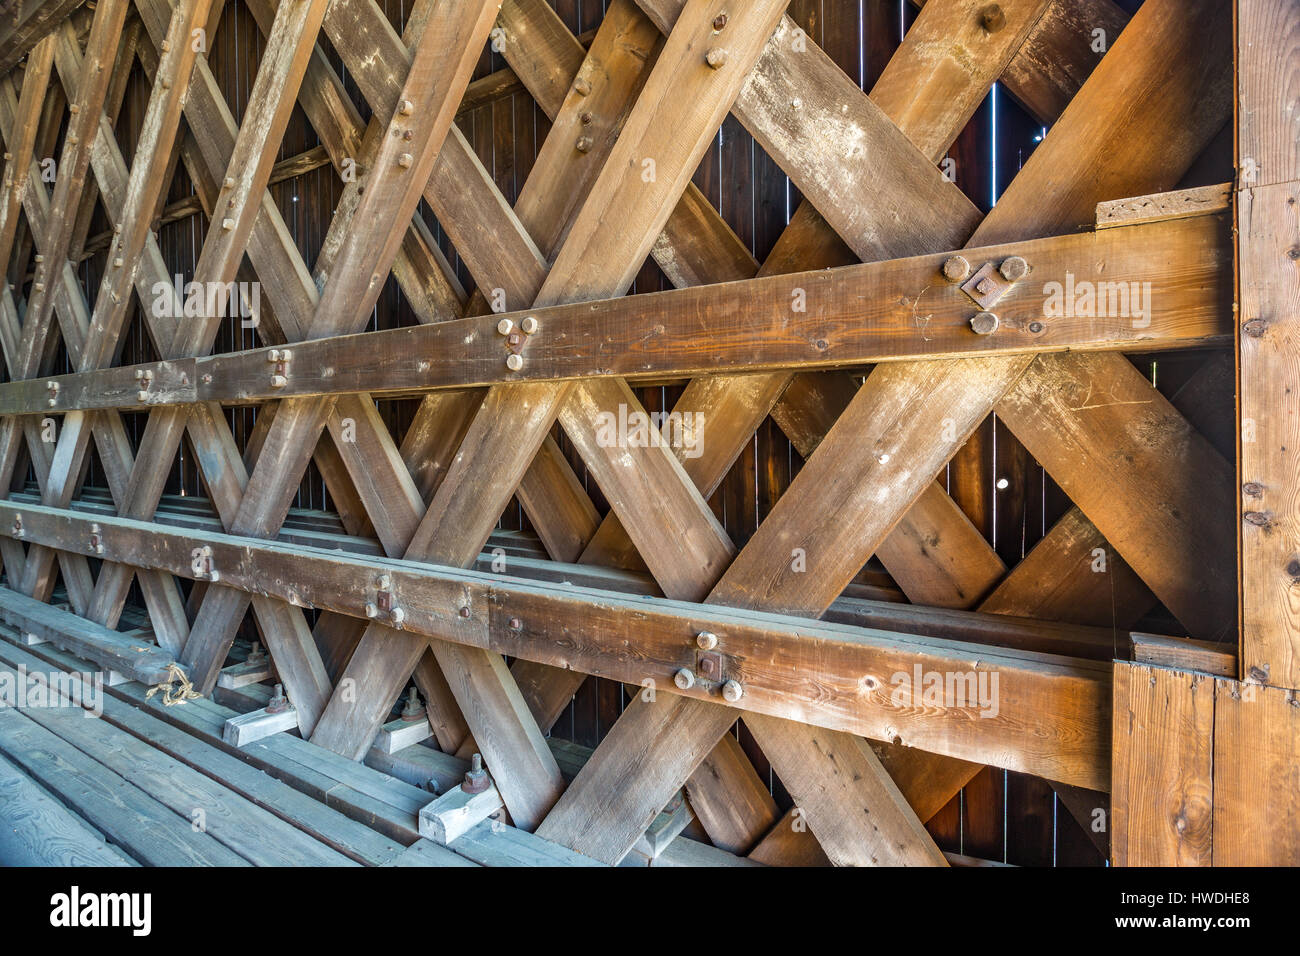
992 18
716 57
707 666
584 144
719 21
1013 268
985 286
684 679
516 624
586 119
956 268
476 778
984 323
581 86
412 710
464 611
278 703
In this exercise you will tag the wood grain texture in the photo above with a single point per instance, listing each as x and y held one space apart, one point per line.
1162 801
1255 760
1269 234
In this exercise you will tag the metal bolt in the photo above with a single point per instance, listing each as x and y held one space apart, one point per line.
1013 268
405 108
985 285
166 45
278 702
399 617
255 653
514 362
38 286
719 21
372 611
706 640
1035 327
716 57
279 381
586 119
464 611
956 268
883 458
74 109
142 396
516 624
476 778
992 18
984 323
227 224
412 709
506 326
583 145
39 257
581 86
404 160
684 679
117 262
529 325
732 691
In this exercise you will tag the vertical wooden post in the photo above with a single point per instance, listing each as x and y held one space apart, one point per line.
1268 251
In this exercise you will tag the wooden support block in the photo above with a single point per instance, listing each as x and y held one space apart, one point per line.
243 674
665 827
397 734
246 728
456 812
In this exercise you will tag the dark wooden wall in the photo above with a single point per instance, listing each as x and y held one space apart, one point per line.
1001 815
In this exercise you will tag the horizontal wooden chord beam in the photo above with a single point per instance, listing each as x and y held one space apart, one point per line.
1162 285
1042 714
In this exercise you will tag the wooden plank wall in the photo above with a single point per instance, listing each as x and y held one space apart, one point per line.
1001 815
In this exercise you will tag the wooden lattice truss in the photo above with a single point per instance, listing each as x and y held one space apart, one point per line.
632 116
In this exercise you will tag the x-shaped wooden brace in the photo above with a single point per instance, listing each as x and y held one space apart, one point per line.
822 478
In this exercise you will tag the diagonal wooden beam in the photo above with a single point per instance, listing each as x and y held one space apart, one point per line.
363 255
